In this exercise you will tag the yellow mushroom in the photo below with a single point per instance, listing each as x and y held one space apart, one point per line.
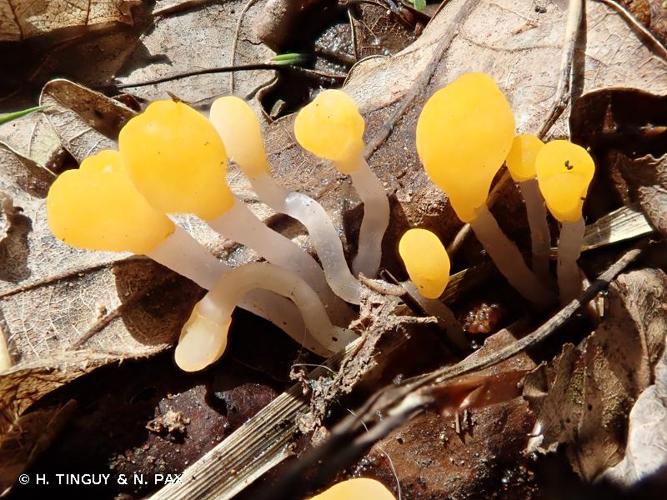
332 128
360 488
464 134
521 164
96 207
427 264
564 173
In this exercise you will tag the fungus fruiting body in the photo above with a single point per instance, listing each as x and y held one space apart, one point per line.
332 128
564 172
204 337
97 207
428 266
359 488
464 134
178 161
240 131
521 165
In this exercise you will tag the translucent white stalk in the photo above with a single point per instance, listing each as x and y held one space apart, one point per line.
540 238
375 220
323 234
569 249
181 253
5 357
241 225
203 339
508 259
446 319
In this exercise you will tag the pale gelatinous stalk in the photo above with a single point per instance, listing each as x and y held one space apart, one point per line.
181 253
241 225
375 220
321 230
446 319
508 259
204 337
540 238
569 249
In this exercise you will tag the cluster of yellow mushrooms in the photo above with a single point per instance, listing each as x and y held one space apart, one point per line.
173 160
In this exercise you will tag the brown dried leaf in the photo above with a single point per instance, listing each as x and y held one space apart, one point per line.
196 39
20 20
583 398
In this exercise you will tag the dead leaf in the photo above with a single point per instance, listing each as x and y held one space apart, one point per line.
197 39
29 436
583 399
20 20
647 436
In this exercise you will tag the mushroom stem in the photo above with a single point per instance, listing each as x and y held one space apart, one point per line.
446 318
5 357
540 238
204 337
375 220
241 225
323 234
508 259
181 253
569 249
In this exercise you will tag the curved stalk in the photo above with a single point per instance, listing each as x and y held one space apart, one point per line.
569 249
540 238
508 259
203 339
241 225
375 220
321 230
181 253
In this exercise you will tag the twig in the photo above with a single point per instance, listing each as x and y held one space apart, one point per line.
656 45
575 16
235 44
392 406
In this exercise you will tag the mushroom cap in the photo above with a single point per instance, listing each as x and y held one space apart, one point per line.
521 158
564 172
202 342
360 488
97 207
177 160
464 134
426 261
239 128
332 128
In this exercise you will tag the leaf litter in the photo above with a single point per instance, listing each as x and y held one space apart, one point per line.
85 291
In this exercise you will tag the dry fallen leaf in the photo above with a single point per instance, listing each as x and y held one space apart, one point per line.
20 20
582 400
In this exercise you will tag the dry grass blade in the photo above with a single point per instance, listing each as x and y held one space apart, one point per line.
625 223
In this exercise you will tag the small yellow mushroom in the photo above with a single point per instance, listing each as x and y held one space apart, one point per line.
426 261
360 488
96 207
177 160
464 134
564 172
332 128
521 164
